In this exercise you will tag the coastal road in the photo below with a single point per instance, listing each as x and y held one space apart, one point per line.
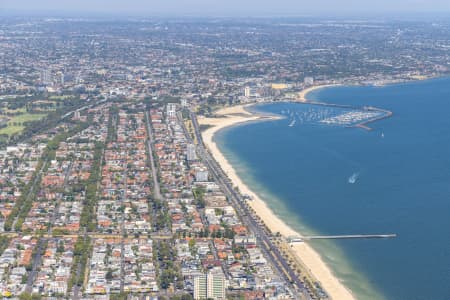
264 241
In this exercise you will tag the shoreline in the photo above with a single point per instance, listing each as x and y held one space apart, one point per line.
310 258
302 96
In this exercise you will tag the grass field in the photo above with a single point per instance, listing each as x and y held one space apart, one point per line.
26 118
60 97
11 130
14 111
15 125
3 139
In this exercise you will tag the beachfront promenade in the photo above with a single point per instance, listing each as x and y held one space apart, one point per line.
263 236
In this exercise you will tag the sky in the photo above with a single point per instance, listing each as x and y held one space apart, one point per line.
225 7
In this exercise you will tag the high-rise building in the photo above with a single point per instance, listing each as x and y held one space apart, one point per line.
251 92
308 81
247 91
216 285
200 286
210 286
184 103
76 115
201 175
190 152
171 110
46 77
60 78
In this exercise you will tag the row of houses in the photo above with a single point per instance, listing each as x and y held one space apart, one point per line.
54 272
62 191
17 165
15 263
122 264
212 241
56 208
125 184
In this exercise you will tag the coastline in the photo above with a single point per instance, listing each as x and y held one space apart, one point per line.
302 96
231 116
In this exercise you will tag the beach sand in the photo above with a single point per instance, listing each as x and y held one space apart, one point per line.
302 94
310 258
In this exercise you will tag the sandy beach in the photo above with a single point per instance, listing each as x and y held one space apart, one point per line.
302 94
310 258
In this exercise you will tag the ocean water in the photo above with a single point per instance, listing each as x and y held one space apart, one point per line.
329 179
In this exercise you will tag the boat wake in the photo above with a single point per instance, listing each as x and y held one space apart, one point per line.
352 179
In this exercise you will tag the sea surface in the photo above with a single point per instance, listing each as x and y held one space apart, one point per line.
330 179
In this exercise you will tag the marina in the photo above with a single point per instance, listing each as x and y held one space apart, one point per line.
322 113
350 118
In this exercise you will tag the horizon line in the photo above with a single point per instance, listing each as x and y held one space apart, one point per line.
212 15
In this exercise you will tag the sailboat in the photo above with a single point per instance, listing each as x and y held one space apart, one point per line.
292 123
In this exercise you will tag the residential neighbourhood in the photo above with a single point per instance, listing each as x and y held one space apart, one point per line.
91 223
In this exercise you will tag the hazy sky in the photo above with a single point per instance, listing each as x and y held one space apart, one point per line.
226 7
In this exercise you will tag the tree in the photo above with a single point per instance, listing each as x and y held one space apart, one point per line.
120 296
186 297
25 296
191 243
109 274
60 248
28 296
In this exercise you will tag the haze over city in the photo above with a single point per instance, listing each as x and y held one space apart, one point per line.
226 8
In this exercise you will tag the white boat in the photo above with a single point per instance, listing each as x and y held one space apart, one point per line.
292 123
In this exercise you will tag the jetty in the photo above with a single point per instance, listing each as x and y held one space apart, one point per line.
350 236
294 239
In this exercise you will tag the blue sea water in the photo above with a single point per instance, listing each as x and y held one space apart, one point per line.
400 184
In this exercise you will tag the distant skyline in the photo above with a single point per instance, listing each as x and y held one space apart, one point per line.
224 7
